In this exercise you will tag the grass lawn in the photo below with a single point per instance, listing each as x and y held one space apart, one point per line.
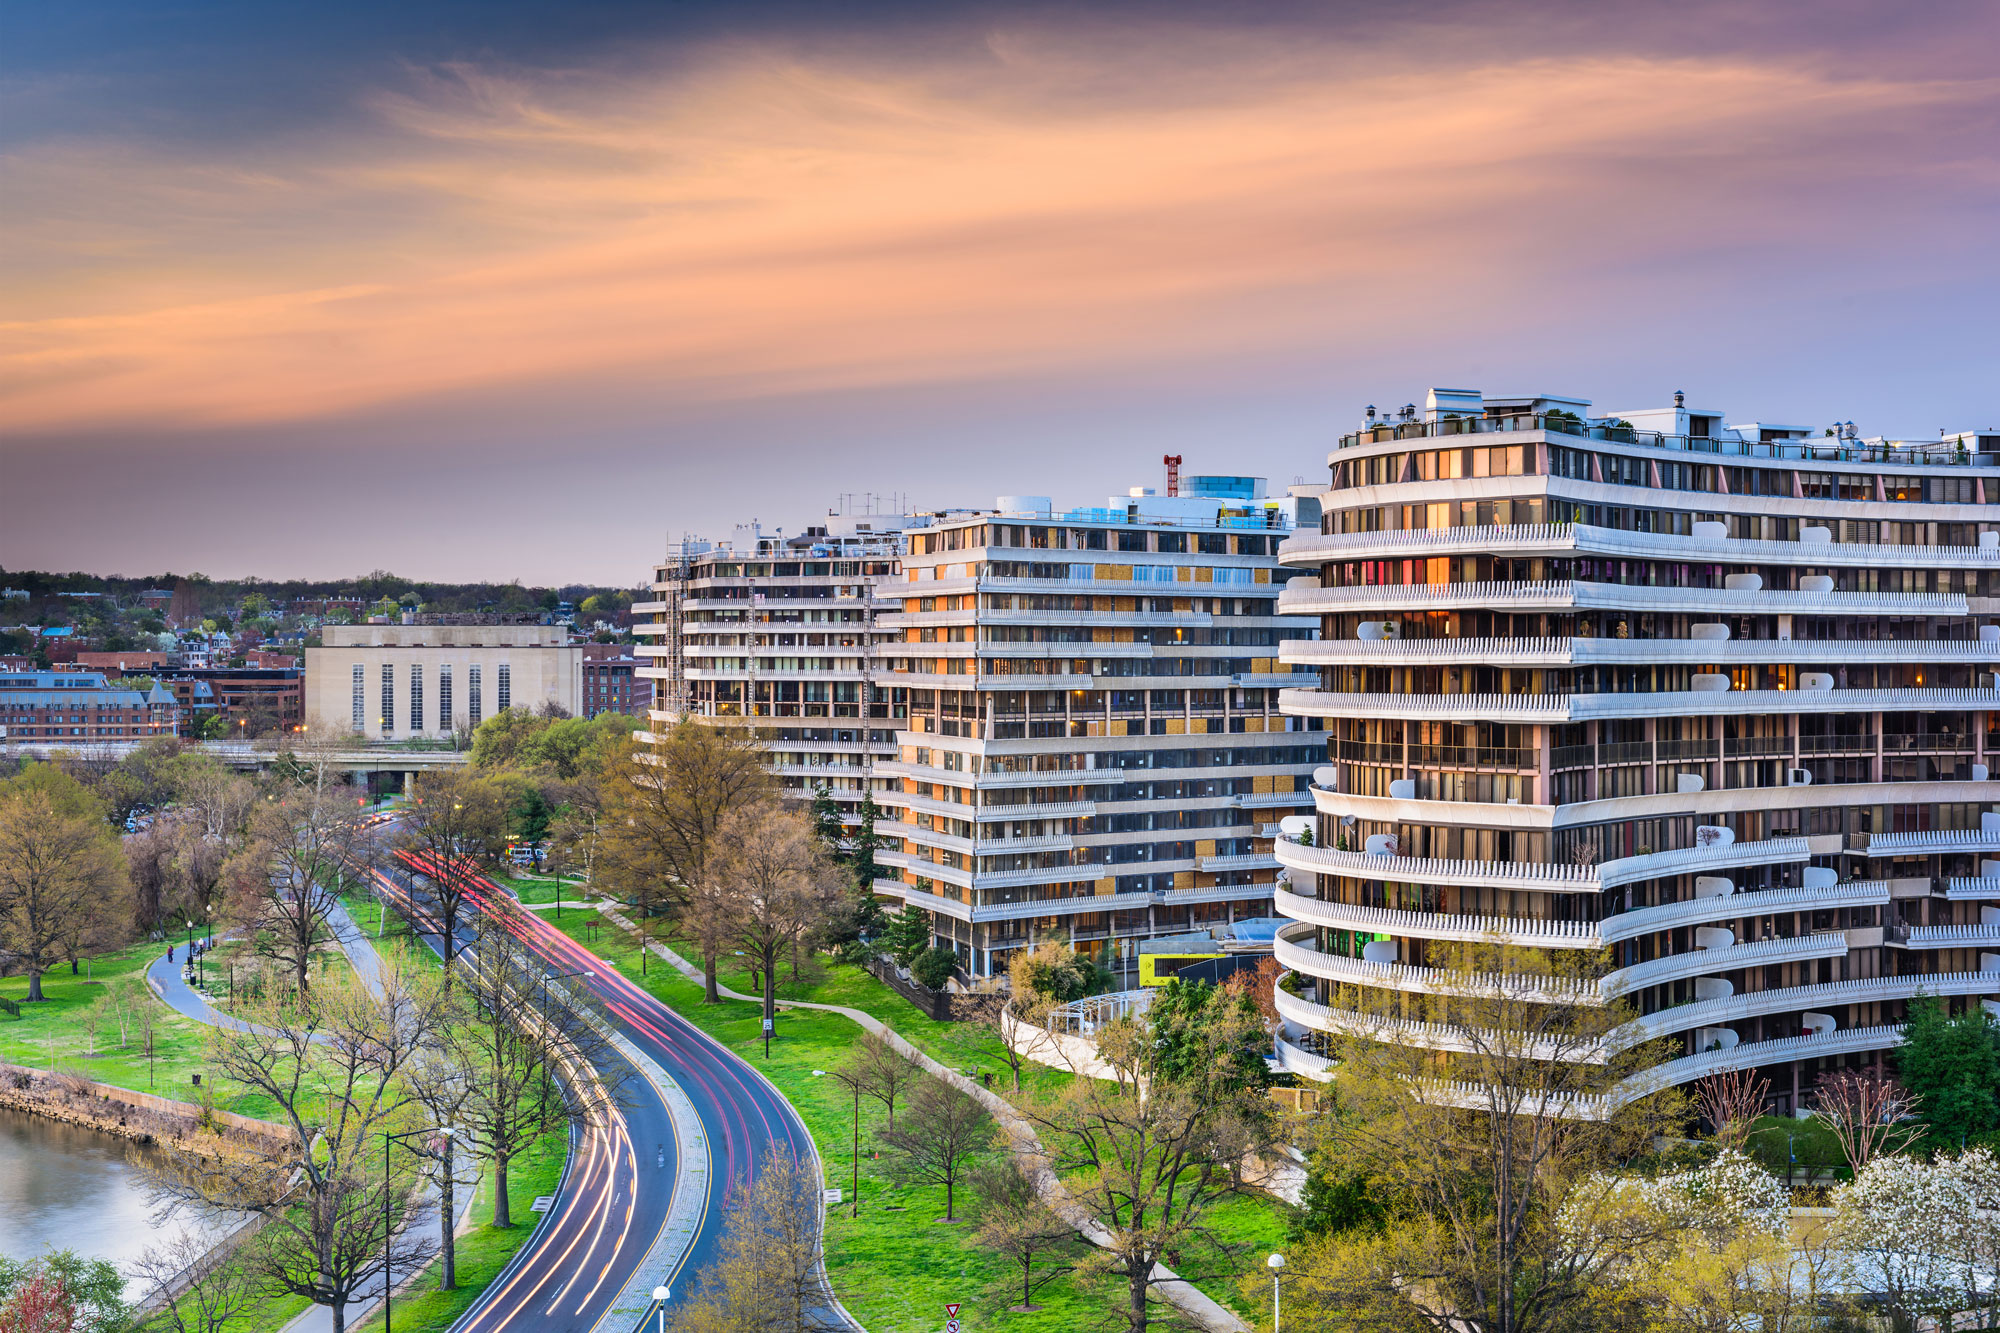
532 888
54 1033
897 1264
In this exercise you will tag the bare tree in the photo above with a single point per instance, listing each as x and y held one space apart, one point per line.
1868 1112
942 1133
457 821
331 1063
61 871
284 884
767 1274
882 1071
1017 1224
204 1290
516 1056
777 886
663 808
1731 1102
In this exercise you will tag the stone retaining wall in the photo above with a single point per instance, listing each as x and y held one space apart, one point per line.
140 1117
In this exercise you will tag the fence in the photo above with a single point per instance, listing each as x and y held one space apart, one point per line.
943 1006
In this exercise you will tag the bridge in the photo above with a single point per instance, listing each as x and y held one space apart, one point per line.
374 761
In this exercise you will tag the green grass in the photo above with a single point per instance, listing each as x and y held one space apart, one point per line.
53 1033
895 1269
483 1252
533 889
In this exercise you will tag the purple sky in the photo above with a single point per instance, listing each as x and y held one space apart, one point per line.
513 291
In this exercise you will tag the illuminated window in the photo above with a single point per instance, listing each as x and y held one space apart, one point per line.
360 698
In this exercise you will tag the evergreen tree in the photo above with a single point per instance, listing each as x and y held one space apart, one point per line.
907 934
864 844
827 826
1953 1063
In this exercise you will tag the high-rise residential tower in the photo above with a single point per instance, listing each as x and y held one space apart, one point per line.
1093 744
1714 697
776 634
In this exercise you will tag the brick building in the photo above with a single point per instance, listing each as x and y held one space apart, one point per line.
79 706
609 685
129 663
250 701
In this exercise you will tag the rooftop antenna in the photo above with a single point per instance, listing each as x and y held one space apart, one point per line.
1173 462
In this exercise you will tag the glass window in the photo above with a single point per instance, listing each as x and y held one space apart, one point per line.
475 704
416 697
444 697
388 698
360 719
506 687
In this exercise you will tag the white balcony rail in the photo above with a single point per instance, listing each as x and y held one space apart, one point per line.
1437 926
1426 980
1762 902
1934 841
1313 599
1424 870
1567 652
1308 549
1546 709
1707 962
1430 1036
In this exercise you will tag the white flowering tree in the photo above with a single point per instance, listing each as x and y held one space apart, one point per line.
1923 1235
1705 1248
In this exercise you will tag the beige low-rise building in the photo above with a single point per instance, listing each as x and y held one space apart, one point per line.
393 682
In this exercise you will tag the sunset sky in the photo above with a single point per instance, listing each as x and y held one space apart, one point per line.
488 290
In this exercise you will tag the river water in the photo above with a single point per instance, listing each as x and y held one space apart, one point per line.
62 1187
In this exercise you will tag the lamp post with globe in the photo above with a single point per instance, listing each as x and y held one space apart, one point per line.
1276 1263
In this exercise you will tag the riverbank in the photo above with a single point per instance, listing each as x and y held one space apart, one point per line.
143 1118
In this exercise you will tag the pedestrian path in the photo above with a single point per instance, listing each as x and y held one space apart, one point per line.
1200 1308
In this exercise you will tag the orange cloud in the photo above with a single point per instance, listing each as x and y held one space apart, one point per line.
763 224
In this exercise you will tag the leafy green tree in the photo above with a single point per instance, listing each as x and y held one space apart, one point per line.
94 1291
531 814
907 934
933 967
1336 1201
1200 1030
1953 1063
827 825
863 846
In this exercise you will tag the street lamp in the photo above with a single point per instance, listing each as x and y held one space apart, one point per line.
388 1236
660 1295
1276 1263
559 976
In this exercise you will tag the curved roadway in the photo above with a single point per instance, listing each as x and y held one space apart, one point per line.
612 1208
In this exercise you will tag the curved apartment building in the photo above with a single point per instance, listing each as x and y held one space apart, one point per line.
1714 697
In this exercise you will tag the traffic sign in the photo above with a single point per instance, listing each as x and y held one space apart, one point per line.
951 1310
951 1326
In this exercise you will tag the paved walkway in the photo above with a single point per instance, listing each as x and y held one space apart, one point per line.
1184 1296
167 982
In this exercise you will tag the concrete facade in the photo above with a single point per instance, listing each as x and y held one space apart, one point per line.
394 682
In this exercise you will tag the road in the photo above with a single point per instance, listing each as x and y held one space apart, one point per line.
614 1202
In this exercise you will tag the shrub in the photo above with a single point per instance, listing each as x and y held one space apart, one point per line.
933 967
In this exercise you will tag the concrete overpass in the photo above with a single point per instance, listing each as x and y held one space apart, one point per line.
373 761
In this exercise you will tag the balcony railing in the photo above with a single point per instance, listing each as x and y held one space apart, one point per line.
1708 962
1934 842
1726 907
1437 925
1424 870
1304 596
1310 549
1588 651
1807 450
1545 709
1407 977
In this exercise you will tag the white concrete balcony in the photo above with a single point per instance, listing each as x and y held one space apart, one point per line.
899 800
1799 999
1689 860
1311 549
967 847
1072 906
1707 962
1549 709
1103 619
1304 596
1966 935
1064 777
1751 1054
1239 861
1425 980
1219 893
1939 842
1044 810
1973 888
1419 870
1413 1032
1436 925
713 673
1724 907
1554 652
1016 879
1296 1059
1533 875
1269 800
